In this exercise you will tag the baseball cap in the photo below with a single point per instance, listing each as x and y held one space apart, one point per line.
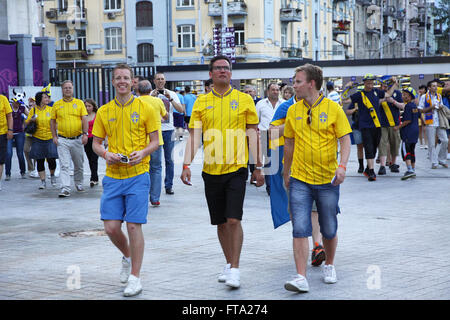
411 91
369 76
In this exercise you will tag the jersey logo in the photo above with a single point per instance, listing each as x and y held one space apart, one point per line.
48 115
234 104
209 107
74 106
323 117
112 119
135 117
299 118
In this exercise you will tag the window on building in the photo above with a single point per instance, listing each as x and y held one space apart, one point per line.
63 42
239 35
325 53
63 5
316 26
113 39
284 36
81 39
299 39
185 3
186 36
145 53
113 4
80 4
144 14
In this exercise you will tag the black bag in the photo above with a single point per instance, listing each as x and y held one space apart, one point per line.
31 126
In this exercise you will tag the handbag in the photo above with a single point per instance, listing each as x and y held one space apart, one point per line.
32 125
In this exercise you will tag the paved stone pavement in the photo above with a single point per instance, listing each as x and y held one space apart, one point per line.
393 243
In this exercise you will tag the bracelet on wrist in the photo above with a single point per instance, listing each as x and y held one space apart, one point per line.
104 154
343 167
10 129
259 168
186 166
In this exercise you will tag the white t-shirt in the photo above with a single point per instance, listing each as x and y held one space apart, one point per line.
434 101
265 112
168 124
336 97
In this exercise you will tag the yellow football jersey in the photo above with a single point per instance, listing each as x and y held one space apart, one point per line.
43 130
160 109
223 120
68 117
5 108
127 128
315 151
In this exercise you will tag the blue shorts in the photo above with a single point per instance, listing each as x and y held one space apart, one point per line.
301 197
356 137
125 199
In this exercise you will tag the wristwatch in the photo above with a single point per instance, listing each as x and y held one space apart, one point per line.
85 133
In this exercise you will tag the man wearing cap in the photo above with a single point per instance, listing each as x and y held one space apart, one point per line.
368 103
409 131
390 121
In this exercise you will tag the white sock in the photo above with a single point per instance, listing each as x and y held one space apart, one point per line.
128 259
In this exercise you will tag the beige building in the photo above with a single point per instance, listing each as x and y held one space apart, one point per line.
86 32
265 30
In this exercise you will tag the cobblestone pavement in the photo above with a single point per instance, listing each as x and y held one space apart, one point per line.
393 243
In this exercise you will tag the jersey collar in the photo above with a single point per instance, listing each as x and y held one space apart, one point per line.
126 104
222 95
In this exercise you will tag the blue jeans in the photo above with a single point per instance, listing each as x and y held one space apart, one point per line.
155 175
19 142
301 196
169 143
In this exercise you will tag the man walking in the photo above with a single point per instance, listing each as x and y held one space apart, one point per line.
171 101
129 124
69 127
429 105
225 117
145 88
311 171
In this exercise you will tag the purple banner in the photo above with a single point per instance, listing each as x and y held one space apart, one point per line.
38 78
8 67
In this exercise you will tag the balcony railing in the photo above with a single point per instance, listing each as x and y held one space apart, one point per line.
290 15
341 26
292 52
234 8
71 55
64 16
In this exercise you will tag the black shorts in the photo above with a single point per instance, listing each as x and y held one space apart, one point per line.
3 144
371 139
225 195
408 151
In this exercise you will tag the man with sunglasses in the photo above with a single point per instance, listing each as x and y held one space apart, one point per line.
225 117
311 171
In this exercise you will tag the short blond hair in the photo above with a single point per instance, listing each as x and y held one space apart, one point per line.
312 73
123 66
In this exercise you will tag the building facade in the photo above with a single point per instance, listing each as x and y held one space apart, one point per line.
20 17
87 32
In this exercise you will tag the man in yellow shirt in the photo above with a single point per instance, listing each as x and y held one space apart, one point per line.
311 171
144 89
131 126
224 116
6 130
69 127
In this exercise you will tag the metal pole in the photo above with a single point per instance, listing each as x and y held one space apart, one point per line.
381 29
224 24
42 19
425 30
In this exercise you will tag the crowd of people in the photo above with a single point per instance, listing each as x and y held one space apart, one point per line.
288 140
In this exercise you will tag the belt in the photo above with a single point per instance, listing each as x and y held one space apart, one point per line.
70 138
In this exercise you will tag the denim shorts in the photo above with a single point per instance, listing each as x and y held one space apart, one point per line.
301 197
125 199
356 137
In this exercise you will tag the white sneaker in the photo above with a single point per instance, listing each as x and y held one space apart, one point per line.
53 180
126 270
329 274
226 271
34 174
298 284
43 185
233 279
134 287
79 188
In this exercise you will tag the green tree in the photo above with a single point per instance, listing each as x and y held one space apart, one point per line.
441 14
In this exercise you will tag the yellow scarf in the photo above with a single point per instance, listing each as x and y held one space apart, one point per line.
388 113
372 111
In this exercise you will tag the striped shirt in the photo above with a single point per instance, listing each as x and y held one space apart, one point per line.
68 116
